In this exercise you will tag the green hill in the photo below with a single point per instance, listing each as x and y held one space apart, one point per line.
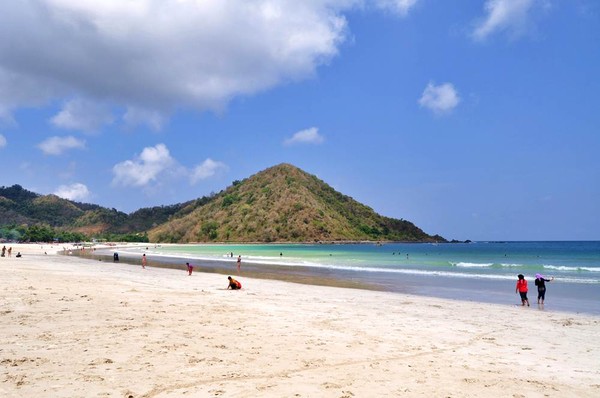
20 207
284 204
279 204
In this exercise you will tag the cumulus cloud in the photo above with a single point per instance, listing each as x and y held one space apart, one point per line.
504 15
155 164
439 99
3 141
75 191
145 168
162 55
57 145
308 136
82 115
207 169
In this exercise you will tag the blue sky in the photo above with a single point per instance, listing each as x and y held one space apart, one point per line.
473 119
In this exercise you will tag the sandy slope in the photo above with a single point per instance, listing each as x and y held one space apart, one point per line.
78 328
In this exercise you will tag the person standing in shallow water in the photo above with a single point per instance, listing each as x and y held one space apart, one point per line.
522 289
540 282
239 263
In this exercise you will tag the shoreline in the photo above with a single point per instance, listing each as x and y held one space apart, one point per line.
73 327
250 270
560 297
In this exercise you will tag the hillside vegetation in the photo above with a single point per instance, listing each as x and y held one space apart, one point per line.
284 204
280 204
22 213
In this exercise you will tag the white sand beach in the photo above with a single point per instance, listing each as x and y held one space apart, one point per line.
72 327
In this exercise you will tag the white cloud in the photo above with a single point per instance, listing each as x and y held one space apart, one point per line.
82 115
145 168
207 169
75 191
400 7
58 145
504 15
439 99
3 141
308 136
162 55
156 167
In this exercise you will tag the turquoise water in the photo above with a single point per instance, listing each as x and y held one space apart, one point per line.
572 262
478 271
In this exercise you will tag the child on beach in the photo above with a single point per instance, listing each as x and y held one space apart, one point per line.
190 268
144 260
233 284
522 289
540 282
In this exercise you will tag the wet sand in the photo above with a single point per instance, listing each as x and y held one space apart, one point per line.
565 297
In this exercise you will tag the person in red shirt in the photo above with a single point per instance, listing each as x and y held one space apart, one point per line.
233 284
522 289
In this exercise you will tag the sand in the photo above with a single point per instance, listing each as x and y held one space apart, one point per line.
72 327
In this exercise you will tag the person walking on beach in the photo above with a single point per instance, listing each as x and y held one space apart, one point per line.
190 268
144 261
233 284
10 251
522 289
239 263
3 250
540 282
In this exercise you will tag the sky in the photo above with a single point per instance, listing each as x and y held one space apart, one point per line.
473 119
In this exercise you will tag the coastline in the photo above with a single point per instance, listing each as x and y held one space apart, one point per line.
562 297
73 327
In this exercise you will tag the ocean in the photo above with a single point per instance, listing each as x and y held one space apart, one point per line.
477 271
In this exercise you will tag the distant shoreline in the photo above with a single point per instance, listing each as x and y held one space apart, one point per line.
469 290
302 275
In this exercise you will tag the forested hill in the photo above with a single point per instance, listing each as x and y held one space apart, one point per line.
279 204
285 204
20 208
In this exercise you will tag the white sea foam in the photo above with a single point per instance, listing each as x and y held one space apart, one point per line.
472 265
571 269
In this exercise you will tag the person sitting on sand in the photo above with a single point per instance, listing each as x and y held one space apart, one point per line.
233 284
18 254
522 289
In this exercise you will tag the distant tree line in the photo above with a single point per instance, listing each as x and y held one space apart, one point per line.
45 233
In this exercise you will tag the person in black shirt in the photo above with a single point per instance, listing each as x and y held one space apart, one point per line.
540 282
